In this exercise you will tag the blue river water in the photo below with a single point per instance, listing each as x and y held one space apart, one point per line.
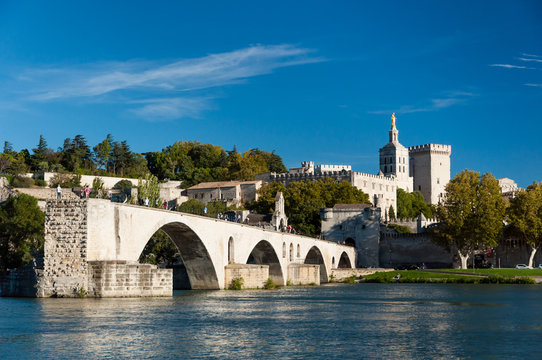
358 321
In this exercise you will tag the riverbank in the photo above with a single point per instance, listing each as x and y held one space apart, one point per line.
453 276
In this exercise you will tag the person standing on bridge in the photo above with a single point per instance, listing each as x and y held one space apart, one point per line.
205 211
58 192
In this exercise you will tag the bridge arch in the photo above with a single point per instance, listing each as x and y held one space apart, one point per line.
350 242
199 265
344 261
314 257
264 254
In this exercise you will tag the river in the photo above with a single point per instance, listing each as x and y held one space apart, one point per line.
358 321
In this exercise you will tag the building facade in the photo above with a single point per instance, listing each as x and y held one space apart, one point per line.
425 168
232 192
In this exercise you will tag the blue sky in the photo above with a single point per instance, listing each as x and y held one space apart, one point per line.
311 80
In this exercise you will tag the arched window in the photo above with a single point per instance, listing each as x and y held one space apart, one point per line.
385 168
333 262
284 250
291 252
298 251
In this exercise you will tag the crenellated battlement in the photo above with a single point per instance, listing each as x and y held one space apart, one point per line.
373 176
431 147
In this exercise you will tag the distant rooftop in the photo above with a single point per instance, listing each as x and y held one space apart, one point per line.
222 184
351 206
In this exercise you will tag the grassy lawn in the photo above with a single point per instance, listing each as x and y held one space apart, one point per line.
413 276
502 272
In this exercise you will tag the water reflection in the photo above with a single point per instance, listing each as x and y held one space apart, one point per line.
335 321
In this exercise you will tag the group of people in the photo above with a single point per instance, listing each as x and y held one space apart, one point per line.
288 229
234 218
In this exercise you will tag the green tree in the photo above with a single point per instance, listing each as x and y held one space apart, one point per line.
411 205
392 213
160 250
21 231
148 188
192 206
471 214
304 199
525 216
102 151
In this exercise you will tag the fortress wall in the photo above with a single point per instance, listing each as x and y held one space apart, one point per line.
412 249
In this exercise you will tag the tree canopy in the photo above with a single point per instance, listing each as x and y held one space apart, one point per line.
304 199
21 231
471 214
411 205
189 161
525 216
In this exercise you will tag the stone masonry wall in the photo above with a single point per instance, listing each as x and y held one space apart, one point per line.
304 274
22 282
65 269
254 276
122 279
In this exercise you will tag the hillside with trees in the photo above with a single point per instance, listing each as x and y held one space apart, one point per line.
189 161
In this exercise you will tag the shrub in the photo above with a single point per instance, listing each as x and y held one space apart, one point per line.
22 182
350 279
237 284
400 228
123 185
40 182
289 283
65 180
269 284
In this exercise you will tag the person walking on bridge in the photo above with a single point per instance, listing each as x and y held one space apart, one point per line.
58 192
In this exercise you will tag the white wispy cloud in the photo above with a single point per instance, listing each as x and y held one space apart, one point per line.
534 85
534 59
158 85
531 55
509 66
450 99
164 109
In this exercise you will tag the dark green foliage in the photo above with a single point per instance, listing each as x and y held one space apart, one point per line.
392 213
21 182
196 207
124 185
192 206
304 199
193 162
400 228
40 182
160 250
411 205
237 284
65 180
269 284
21 231
472 213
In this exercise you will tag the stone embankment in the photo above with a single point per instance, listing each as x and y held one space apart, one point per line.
342 274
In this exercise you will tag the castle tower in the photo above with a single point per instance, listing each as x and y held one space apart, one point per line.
394 156
430 167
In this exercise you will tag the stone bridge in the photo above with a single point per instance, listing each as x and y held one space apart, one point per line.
93 246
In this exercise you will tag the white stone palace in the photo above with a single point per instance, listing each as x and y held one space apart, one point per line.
425 168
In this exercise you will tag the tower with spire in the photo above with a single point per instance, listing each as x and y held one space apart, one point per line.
394 156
